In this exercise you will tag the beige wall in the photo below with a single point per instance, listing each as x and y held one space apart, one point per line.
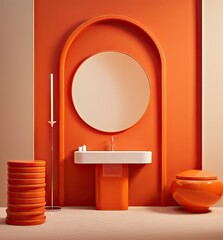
213 87
16 85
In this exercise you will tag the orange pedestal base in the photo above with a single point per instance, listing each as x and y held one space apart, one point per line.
111 187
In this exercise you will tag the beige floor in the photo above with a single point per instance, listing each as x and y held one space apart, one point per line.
138 223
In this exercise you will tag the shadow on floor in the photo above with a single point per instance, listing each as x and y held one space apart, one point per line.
79 207
2 221
173 210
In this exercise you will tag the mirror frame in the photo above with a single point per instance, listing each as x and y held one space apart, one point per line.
111 91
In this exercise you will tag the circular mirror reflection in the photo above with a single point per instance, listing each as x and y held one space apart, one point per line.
110 91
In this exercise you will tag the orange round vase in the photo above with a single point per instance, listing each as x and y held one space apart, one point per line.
196 190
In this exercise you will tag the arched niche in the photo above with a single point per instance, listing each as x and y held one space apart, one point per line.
71 39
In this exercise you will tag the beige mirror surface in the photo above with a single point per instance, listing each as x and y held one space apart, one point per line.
110 91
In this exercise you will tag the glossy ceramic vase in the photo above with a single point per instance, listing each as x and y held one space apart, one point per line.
196 190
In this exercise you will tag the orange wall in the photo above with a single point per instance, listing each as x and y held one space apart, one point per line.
176 24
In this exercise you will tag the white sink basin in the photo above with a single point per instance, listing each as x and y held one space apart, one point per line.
103 157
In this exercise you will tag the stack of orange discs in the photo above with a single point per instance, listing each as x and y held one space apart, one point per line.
26 192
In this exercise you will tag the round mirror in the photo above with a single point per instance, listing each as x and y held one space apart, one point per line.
110 91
